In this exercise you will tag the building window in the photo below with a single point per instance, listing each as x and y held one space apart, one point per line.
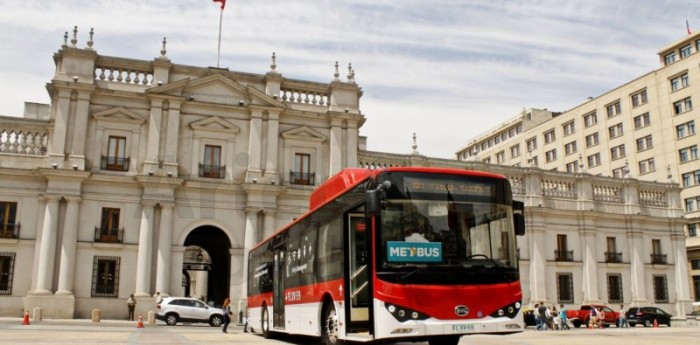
682 106
531 144
570 148
9 227
657 255
693 232
590 119
594 160
617 152
572 167
614 288
109 231
686 129
592 140
302 170
689 205
486 160
533 162
116 155
670 58
645 143
562 253
551 155
565 288
7 264
686 51
615 131
501 157
639 98
614 109
696 287
642 121
212 163
686 179
497 140
679 82
646 166
515 151
688 154
660 289
105 276
569 128
549 136
612 255
619 172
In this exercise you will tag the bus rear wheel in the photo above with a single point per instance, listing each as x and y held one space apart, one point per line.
444 340
265 323
329 326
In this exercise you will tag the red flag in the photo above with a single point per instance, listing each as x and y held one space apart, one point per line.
687 27
223 3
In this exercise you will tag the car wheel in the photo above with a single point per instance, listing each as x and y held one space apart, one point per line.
329 326
632 324
171 319
265 323
216 320
576 323
647 323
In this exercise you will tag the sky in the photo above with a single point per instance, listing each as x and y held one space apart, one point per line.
446 70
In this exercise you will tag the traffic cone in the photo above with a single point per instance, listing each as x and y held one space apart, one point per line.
25 321
140 323
656 324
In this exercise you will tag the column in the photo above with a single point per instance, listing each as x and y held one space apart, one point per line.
590 266
272 146
538 263
352 134
171 137
47 247
254 145
336 154
70 236
80 125
680 259
58 135
251 218
154 131
637 256
164 249
143 261
270 226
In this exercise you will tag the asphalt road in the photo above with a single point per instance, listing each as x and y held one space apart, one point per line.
123 332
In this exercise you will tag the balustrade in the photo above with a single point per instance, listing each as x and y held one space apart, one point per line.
23 142
653 198
608 193
559 189
109 235
304 96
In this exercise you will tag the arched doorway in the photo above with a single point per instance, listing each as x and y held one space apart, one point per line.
207 258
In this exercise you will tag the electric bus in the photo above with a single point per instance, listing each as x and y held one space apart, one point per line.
393 254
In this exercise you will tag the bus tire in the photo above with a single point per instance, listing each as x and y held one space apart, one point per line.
265 323
444 340
329 326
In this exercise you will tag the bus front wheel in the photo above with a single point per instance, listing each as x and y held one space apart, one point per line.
265 323
444 340
329 326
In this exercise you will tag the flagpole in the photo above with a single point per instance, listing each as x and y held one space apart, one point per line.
218 49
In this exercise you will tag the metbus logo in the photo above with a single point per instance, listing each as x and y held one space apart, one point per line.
414 251
461 310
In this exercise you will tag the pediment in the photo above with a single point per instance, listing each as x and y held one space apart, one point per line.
304 133
215 124
118 114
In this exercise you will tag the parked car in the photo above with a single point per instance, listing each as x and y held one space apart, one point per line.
647 315
184 309
529 317
582 316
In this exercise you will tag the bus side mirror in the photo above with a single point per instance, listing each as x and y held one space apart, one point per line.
372 203
519 217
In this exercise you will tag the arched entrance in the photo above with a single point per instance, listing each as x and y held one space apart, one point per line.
208 261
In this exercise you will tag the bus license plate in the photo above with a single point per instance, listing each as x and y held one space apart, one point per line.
462 328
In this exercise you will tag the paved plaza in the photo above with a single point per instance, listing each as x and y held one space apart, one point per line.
124 332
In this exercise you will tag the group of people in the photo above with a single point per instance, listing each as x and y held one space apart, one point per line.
550 318
597 318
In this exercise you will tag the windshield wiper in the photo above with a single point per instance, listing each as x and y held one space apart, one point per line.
420 268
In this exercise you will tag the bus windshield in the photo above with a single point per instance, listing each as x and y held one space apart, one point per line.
446 223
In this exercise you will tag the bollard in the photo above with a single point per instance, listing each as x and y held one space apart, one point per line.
37 314
151 317
96 315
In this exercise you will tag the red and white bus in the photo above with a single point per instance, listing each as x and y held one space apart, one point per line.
395 254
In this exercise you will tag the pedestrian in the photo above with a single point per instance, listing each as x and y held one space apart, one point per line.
562 317
536 314
593 322
542 310
601 318
622 318
131 304
227 313
556 321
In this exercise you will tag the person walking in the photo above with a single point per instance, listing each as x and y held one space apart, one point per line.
131 304
622 318
542 310
227 313
562 317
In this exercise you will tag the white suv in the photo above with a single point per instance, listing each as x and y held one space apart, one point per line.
184 309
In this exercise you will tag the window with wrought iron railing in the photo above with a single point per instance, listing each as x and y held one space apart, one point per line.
109 235
114 163
105 276
212 171
659 259
9 227
7 264
564 255
307 179
613 257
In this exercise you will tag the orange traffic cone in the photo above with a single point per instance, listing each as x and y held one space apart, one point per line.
656 324
25 321
140 323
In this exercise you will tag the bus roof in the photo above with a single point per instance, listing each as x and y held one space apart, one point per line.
348 178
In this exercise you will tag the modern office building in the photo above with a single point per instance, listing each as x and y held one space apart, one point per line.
155 178
643 129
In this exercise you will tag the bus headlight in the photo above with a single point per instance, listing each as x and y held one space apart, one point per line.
509 310
403 314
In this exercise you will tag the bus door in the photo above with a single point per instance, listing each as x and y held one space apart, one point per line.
278 289
358 298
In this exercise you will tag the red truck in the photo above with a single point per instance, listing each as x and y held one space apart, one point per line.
582 316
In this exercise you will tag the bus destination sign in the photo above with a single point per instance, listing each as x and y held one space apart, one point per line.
399 251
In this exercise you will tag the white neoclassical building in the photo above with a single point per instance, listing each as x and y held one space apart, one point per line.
149 177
